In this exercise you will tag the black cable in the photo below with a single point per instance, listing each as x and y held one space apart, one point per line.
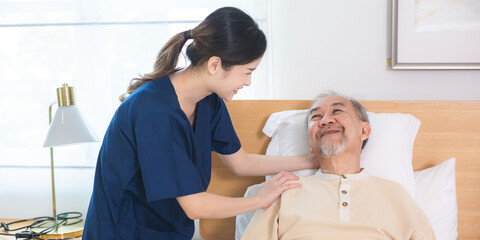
61 219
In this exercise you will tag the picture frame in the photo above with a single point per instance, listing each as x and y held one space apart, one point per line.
413 49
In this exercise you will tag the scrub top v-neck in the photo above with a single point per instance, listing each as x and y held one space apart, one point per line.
150 155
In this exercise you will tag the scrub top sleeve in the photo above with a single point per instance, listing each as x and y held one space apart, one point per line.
164 148
224 137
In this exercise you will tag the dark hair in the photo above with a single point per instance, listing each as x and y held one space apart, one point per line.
359 109
228 33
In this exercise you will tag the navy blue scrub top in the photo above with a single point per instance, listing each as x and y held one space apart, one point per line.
150 155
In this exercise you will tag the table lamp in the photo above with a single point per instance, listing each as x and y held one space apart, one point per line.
68 127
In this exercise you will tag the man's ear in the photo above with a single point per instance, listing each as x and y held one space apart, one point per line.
365 130
214 64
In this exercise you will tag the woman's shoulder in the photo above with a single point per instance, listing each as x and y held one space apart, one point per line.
150 101
215 103
157 94
213 99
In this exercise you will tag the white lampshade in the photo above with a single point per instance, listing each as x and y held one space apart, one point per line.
68 127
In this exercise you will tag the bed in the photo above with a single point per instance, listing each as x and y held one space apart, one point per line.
448 129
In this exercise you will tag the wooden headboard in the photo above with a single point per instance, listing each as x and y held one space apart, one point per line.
448 129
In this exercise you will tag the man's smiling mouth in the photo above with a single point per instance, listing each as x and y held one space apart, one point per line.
328 132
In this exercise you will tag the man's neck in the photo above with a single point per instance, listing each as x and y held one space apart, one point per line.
343 163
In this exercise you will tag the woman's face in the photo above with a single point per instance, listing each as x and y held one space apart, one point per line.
235 79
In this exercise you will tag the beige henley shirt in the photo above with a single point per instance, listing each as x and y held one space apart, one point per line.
351 206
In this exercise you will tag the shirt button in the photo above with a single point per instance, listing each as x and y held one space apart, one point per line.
344 192
343 176
345 204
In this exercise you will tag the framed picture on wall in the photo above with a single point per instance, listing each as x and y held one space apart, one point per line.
435 34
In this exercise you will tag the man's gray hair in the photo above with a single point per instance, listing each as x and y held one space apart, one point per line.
360 110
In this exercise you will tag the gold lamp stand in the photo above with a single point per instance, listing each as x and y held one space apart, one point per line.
67 127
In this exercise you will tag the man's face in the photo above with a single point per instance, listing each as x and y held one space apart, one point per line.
334 127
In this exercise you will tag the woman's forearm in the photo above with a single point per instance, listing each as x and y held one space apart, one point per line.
207 205
261 165
245 164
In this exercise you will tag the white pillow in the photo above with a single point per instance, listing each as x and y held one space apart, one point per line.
436 194
389 150
388 153
288 136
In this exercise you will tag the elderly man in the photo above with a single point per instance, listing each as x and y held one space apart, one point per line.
341 201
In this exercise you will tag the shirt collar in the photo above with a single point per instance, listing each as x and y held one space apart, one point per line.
357 176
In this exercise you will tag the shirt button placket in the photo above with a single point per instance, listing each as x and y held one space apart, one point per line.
344 199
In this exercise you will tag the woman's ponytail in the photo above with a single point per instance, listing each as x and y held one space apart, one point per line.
165 64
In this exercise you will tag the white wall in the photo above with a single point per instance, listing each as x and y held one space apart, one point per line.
343 46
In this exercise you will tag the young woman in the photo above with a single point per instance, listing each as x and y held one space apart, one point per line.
154 165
